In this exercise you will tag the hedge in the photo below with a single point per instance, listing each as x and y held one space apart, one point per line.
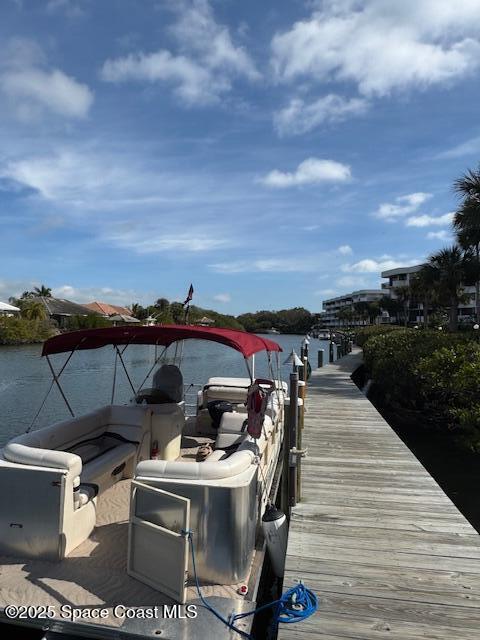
362 335
432 372
17 330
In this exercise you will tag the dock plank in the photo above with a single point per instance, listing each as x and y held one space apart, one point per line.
376 538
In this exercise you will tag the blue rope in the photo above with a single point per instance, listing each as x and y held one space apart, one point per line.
295 605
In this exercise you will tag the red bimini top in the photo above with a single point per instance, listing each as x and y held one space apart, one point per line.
246 343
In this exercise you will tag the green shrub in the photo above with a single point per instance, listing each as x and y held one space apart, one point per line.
91 321
362 335
437 373
18 330
449 385
392 359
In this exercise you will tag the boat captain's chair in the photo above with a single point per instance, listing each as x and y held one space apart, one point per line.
168 380
167 387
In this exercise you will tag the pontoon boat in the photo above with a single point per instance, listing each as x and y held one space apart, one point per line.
99 510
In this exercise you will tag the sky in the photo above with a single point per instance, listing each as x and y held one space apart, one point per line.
273 153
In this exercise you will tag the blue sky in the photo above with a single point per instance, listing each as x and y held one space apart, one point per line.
274 154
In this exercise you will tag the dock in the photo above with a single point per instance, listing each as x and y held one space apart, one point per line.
374 536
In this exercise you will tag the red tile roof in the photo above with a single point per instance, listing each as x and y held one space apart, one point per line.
108 309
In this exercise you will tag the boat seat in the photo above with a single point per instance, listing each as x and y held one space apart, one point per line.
105 469
86 455
235 395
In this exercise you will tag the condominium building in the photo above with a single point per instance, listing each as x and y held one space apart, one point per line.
332 307
396 278
402 277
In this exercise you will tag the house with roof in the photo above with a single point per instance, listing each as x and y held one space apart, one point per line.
60 310
7 309
118 315
107 310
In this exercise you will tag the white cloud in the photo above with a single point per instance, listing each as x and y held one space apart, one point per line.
300 117
403 206
222 297
64 176
325 292
150 239
126 203
52 90
467 148
345 250
372 265
439 235
382 47
266 265
32 89
310 171
428 221
203 69
194 84
71 8
351 282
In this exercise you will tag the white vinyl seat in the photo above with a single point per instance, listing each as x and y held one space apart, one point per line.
83 457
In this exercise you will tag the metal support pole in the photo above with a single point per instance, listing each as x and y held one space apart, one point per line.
57 382
321 354
330 359
292 442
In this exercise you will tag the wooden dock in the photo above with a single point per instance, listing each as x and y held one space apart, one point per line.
375 537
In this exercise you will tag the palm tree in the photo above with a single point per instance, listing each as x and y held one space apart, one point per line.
162 304
423 286
449 269
391 306
42 291
361 311
403 295
346 314
34 310
466 222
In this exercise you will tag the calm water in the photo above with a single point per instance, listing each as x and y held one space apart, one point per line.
87 379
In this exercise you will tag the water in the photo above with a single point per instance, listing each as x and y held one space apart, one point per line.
87 379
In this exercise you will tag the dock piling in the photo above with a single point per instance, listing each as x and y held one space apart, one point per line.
321 354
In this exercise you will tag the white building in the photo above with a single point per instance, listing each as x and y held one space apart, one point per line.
7 309
332 306
402 277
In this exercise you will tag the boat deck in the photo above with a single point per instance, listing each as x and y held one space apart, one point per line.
376 538
94 574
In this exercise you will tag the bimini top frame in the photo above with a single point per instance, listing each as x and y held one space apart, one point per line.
246 343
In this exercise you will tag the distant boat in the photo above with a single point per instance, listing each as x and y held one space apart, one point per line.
322 334
273 331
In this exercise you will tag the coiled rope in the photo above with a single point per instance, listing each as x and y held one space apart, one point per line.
295 605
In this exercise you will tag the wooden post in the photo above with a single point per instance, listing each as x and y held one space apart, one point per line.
321 353
300 368
305 377
292 442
